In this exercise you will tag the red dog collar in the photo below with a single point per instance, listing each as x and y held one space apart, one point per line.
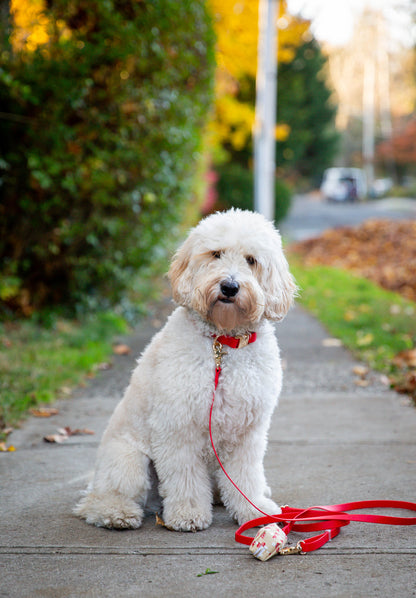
237 342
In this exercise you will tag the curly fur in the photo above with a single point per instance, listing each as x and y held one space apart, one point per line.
161 425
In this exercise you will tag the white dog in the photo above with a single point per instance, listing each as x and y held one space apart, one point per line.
230 277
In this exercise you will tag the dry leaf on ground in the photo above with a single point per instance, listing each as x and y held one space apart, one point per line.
121 349
6 449
360 370
405 359
44 411
64 433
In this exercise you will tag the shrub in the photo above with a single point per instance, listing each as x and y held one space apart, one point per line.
100 135
235 189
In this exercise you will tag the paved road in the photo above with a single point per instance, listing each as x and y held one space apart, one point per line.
310 215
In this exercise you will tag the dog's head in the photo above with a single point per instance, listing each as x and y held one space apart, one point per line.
232 271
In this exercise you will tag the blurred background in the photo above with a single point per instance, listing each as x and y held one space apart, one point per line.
122 120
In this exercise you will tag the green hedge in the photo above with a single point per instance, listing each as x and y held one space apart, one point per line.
100 134
235 188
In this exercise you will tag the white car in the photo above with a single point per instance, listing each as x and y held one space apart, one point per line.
343 184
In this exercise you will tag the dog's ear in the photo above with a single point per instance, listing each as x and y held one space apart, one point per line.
278 284
179 275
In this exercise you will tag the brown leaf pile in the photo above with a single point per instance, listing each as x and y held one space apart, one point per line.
382 250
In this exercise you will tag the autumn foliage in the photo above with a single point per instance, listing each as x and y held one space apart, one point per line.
236 28
383 251
401 147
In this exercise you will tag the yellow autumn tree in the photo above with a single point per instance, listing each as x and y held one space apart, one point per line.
236 25
30 24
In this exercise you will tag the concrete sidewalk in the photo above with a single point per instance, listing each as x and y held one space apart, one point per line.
331 441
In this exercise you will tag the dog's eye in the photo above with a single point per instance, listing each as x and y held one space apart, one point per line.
216 254
251 261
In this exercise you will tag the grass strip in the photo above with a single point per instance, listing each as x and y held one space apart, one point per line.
373 323
38 363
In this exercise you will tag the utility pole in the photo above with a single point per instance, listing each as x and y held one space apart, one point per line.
369 118
265 119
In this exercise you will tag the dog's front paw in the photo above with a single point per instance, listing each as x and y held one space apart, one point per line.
267 505
190 520
112 511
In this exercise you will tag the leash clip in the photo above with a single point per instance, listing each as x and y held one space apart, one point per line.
218 353
297 549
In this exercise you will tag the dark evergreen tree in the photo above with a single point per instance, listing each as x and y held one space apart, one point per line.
304 103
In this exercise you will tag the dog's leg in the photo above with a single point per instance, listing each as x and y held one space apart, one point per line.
121 482
185 487
245 467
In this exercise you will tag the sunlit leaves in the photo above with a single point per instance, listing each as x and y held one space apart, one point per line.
236 27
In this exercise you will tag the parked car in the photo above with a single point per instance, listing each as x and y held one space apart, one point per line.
344 184
381 187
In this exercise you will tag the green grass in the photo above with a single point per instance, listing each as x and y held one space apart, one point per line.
373 323
38 363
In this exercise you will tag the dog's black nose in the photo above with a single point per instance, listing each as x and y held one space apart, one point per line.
229 288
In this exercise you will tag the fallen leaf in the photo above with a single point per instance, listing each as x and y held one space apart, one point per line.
159 521
121 349
207 572
360 370
6 449
44 411
365 339
77 432
406 384
349 316
105 365
361 382
58 438
331 342
405 359
64 433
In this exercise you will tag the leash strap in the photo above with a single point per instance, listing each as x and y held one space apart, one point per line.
328 519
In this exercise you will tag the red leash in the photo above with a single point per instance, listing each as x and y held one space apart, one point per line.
328 519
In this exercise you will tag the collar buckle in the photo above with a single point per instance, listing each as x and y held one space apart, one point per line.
244 340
